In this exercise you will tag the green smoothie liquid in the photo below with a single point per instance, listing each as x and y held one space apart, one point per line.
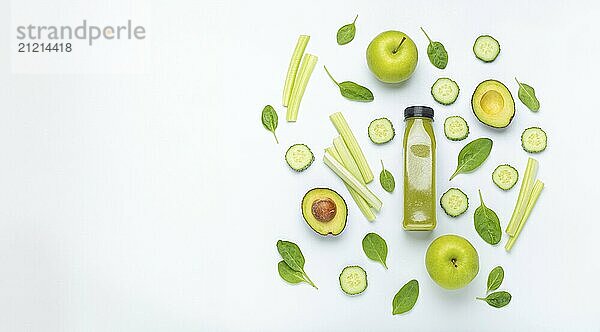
419 175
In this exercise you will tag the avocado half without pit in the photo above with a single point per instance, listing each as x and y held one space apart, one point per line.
493 104
325 211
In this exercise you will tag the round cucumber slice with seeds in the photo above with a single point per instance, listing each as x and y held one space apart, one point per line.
353 280
456 128
486 48
445 91
534 140
454 202
299 157
381 131
505 176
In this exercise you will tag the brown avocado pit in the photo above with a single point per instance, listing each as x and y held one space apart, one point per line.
324 209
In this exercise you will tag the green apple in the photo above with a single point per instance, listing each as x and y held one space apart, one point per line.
452 262
392 56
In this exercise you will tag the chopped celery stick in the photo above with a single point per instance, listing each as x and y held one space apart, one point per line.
309 62
348 162
524 194
342 127
363 206
293 68
535 194
353 182
346 158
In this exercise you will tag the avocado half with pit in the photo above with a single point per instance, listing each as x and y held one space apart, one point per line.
493 104
325 211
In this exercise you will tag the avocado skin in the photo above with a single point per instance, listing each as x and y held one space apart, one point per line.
477 116
309 218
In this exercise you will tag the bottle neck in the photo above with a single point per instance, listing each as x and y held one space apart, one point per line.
424 118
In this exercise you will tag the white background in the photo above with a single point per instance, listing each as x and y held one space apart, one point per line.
141 193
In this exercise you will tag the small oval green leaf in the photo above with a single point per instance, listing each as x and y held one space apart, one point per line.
527 96
286 273
355 91
375 248
406 298
497 299
386 179
495 278
487 223
352 90
473 155
270 120
346 33
291 254
438 56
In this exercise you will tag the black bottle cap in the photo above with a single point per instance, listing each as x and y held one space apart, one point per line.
420 111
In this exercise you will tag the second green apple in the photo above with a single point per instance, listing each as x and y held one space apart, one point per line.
392 56
452 261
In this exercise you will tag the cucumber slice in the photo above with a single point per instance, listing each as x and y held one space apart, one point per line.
505 176
486 48
353 280
299 157
445 91
454 202
534 140
381 131
456 128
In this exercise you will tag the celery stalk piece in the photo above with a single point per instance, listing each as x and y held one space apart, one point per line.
524 194
344 130
346 157
535 194
348 162
309 62
363 206
293 68
353 182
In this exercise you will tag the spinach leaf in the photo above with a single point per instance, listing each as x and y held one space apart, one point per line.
436 52
406 298
527 96
495 278
352 90
269 120
293 263
487 223
375 248
289 275
386 179
497 299
291 254
473 155
346 33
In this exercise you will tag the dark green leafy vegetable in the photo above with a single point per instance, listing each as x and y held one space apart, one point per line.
293 258
495 278
473 155
497 299
291 254
487 223
269 120
527 96
375 248
352 90
438 56
346 33
386 179
406 298
289 275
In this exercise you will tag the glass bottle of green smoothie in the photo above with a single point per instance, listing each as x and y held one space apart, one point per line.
419 170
